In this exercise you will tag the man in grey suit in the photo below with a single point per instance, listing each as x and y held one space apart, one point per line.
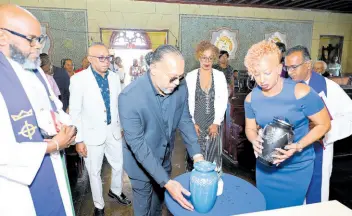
63 82
151 109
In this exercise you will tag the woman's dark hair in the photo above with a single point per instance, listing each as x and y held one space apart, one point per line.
281 46
44 59
63 61
159 53
223 52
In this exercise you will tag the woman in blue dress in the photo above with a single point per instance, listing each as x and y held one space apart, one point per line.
286 183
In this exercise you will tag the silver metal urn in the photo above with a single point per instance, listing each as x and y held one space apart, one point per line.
276 134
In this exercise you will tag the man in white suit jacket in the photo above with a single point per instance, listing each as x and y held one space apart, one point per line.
93 109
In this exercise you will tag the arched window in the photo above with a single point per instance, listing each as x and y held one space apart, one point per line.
129 39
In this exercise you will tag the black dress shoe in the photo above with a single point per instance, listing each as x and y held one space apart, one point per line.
98 212
122 199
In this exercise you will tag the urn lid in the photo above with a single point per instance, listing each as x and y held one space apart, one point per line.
204 166
283 121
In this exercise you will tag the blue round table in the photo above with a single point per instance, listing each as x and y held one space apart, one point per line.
238 197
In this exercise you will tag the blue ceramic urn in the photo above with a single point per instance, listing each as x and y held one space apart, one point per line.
203 186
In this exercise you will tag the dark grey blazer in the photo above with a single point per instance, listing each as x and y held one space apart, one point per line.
144 151
62 80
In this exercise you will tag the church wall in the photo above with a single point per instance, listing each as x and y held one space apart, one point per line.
152 15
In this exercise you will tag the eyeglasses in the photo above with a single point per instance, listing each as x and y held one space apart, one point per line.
103 58
209 59
31 39
293 67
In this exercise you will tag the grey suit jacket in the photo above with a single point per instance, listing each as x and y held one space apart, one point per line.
146 139
62 80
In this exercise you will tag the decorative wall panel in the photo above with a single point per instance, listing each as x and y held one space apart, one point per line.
194 29
67 31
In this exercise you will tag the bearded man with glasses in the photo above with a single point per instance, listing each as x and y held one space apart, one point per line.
299 67
33 126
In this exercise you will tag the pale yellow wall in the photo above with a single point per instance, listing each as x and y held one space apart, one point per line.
145 15
325 41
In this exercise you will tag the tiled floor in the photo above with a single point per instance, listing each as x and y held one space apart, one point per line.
82 195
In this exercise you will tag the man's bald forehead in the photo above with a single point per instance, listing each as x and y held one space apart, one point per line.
318 63
19 20
11 12
97 48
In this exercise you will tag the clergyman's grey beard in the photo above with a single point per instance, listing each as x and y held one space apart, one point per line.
18 56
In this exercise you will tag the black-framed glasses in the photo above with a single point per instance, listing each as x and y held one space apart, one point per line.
293 67
31 39
103 58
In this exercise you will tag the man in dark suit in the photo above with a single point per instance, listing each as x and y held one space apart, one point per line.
151 109
63 82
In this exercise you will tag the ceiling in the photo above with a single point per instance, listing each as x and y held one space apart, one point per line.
342 6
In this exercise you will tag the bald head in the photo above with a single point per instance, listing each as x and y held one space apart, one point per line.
99 58
16 18
97 48
320 67
15 21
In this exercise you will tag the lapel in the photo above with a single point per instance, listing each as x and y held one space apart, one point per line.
155 103
172 106
113 87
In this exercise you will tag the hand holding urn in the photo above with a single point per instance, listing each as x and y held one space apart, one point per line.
276 134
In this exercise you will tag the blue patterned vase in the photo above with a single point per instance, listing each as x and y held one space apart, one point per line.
203 186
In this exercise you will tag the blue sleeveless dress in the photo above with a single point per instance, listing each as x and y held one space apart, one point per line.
287 184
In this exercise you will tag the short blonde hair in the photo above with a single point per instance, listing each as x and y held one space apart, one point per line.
204 46
257 52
